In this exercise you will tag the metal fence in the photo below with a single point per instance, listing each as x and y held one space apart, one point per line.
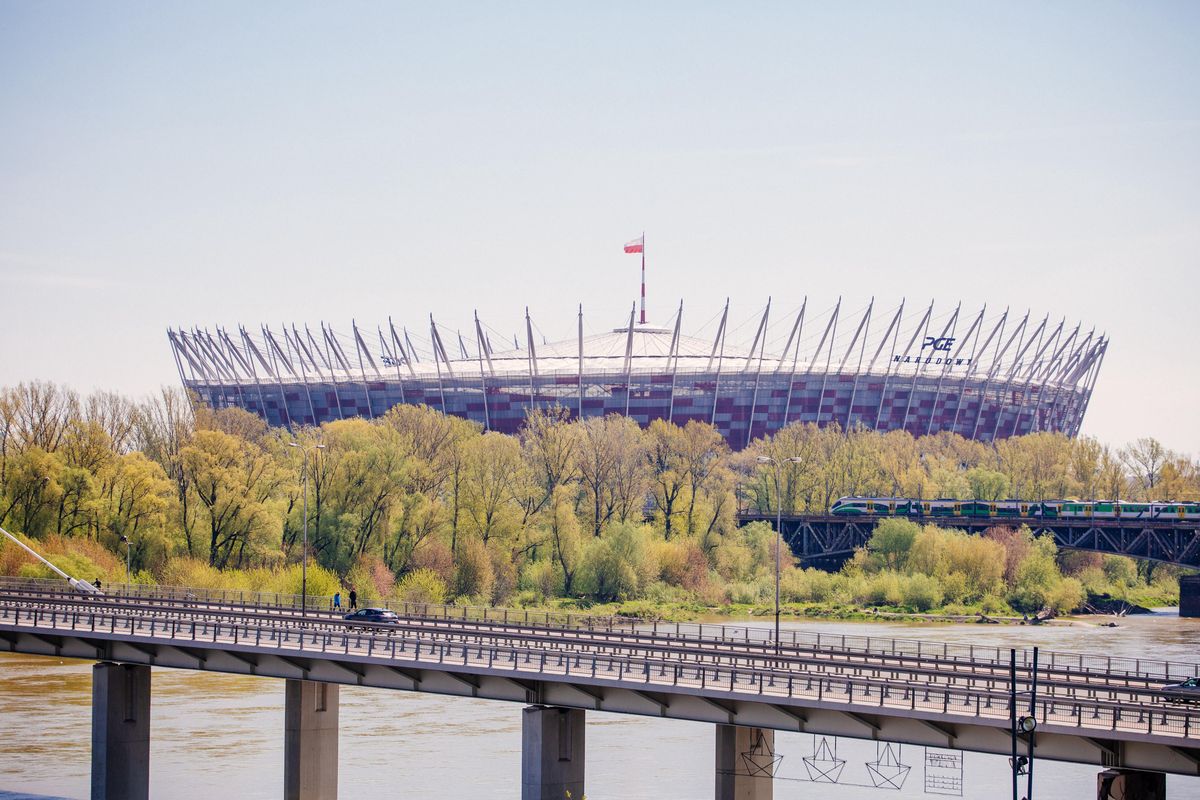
324 604
914 651
760 682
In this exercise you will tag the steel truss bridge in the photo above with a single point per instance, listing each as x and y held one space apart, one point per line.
830 539
1090 709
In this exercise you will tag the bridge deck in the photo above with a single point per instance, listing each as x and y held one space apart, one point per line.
1085 714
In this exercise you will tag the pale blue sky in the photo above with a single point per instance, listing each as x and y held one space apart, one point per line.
170 164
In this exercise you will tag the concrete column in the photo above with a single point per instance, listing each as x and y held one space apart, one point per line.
746 763
310 741
120 732
552 753
1131 784
1189 596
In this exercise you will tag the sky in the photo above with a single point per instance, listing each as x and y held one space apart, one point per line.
172 164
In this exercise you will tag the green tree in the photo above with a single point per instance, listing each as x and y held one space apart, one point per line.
233 481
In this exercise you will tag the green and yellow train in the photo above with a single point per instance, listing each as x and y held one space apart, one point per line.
1000 509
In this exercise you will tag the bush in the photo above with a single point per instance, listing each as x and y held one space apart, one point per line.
421 586
921 593
1066 596
542 577
475 576
321 582
749 592
371 578
504 570
892 540
683 563
435 555
881 589
807 586
617 565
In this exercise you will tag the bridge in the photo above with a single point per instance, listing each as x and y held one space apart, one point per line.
829 539
1090 709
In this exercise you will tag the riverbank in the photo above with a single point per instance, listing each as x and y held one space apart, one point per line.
691 612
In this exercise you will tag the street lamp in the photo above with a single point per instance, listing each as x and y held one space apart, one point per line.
778 530
304 554
125 540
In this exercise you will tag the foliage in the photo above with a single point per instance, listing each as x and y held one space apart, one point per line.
421 586
417 504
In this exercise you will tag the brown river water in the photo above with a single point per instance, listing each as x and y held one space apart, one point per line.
221 736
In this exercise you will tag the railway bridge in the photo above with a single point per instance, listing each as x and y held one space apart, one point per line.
827 539
1096 710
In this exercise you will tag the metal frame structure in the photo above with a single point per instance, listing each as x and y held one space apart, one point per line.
827 539
997 380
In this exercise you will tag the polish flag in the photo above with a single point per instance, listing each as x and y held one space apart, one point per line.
636 245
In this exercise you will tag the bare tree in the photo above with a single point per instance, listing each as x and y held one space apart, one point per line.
1144 459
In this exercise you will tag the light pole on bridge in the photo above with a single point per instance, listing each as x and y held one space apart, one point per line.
304 554
125 541
778 530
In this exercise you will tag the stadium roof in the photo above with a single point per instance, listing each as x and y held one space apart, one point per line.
903 340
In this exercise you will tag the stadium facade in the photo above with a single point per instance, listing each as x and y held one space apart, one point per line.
921 370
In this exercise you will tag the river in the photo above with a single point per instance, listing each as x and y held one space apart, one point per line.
221 736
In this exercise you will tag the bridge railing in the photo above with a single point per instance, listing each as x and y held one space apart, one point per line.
918 650
944 651
760 683
324 603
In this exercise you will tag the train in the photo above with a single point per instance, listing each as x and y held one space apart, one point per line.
909 507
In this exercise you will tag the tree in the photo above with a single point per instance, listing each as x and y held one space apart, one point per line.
596 460
549 442
565 538
987 484
41 413
233 482
1145 459
114 414
703 448
668 472
33 490
1086 454
892 540
627 497
163 426
362 472
492 463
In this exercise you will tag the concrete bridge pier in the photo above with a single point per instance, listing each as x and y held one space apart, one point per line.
310 740
552 753
1131 784
120 731
1189 596
746 763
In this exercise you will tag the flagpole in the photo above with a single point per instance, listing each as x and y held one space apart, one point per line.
643 277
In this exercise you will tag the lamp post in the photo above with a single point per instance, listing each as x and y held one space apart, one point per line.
778 531
125 541
304 553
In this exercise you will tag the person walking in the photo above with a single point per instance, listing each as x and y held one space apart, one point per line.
337 600
353 599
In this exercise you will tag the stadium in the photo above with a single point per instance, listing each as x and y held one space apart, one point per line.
919 369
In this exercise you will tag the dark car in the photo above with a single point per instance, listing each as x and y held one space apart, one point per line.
1183 692
373 615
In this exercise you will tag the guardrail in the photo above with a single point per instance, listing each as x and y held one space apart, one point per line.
183 594
760 682
931 671
817 641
